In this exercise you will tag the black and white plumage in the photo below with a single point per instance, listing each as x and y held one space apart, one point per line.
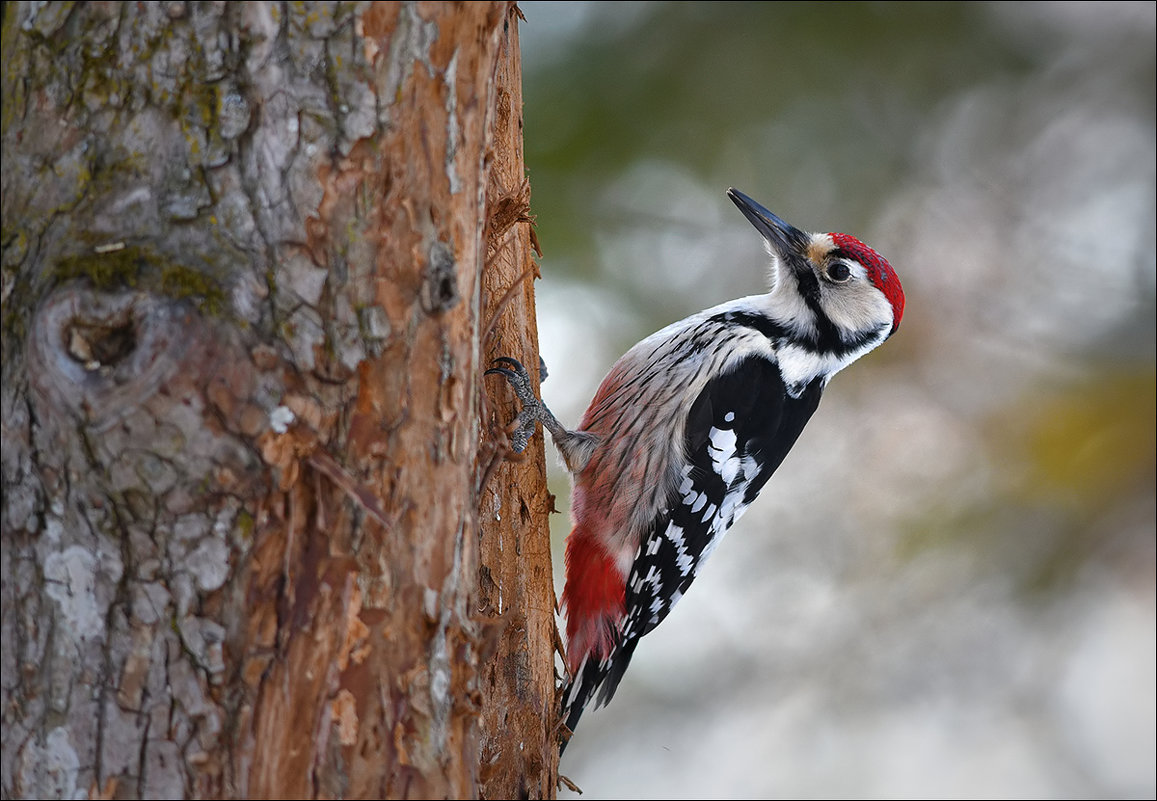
686 429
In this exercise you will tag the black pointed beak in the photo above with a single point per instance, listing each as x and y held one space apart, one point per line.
787 240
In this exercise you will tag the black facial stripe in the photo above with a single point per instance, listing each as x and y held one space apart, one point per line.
760 322
809 285
826 340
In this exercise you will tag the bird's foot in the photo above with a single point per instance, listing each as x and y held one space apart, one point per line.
576 447
533 409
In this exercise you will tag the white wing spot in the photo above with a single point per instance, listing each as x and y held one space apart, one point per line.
683 558
709 513
724 455
700 501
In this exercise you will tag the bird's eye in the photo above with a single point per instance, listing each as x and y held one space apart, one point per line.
839 272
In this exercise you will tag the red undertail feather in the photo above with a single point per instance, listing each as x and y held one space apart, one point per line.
594 598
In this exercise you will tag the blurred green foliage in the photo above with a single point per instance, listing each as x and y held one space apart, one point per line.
829 112
851 80
948 588
1088 446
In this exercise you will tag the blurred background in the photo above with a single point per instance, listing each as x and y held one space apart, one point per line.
948 589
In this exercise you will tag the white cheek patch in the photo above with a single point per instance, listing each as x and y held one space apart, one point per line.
856 306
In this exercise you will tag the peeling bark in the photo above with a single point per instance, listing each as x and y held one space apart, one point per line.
519 757
259 539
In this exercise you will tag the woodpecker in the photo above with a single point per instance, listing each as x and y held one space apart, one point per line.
688 426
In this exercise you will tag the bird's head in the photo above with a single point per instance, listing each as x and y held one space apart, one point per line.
834 280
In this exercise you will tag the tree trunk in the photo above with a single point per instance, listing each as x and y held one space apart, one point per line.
258 536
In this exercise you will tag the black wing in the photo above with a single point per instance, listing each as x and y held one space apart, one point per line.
738 432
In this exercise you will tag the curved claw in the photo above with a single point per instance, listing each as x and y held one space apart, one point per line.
518 379
522 427
515 363
576 447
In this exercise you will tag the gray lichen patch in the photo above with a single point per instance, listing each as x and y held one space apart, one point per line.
204 640
48 769
301 275
209 564
70 580
233 114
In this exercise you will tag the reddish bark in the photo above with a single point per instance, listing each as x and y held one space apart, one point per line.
253 256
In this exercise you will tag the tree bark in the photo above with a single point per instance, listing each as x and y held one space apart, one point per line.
259 536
